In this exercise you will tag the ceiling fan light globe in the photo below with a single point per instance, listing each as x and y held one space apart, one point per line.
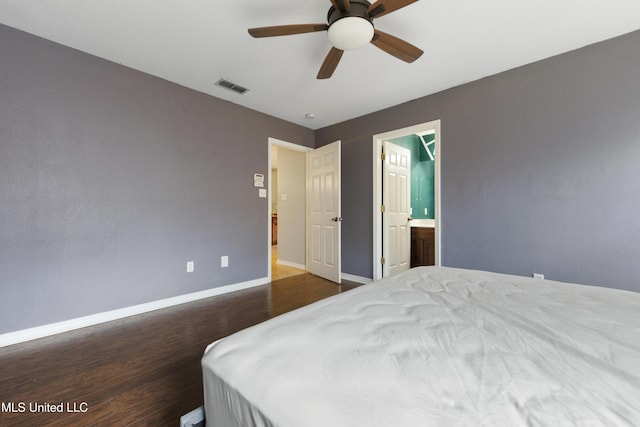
350 33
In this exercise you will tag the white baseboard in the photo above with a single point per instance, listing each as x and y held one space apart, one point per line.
16 337
358 279
291 264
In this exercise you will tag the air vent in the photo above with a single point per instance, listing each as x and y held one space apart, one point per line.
231 86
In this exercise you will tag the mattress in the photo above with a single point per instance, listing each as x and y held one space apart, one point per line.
436 346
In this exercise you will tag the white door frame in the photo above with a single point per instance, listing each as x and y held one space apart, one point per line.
377 189
290 146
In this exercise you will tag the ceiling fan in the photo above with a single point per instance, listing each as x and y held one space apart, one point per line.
350 26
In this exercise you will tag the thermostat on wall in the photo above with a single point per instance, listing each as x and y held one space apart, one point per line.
258 180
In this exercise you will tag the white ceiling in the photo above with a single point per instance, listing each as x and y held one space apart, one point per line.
196 42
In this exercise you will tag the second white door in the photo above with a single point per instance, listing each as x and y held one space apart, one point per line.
396 215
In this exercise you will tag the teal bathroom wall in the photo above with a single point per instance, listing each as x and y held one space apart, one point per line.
422 175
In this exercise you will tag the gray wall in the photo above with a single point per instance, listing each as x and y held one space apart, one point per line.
540 169
292 166
111 180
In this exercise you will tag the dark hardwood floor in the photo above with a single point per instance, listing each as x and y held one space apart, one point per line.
141 370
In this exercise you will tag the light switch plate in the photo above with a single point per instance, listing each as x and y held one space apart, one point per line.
262 192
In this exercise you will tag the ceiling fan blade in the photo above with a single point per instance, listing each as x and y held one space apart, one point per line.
341 5
285 30
382 7
395 46
330 63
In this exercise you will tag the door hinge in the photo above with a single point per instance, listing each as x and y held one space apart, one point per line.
382 157
382 260
382 208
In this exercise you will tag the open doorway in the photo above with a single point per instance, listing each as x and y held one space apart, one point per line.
433 147
287 209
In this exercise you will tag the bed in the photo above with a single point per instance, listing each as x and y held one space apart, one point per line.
435 346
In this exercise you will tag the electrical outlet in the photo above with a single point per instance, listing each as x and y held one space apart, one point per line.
190 266
538 276
224 261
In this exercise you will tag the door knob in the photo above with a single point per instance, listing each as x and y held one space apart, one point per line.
336 219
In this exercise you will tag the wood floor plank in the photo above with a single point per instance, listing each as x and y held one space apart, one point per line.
142 370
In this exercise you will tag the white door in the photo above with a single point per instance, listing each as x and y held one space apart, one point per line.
323 210
396 216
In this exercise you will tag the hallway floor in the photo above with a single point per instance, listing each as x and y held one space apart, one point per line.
280 271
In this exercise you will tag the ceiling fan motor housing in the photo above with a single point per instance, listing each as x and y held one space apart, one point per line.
357 9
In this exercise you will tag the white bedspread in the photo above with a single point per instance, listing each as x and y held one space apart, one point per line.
436 347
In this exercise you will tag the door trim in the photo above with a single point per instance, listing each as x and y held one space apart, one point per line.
377 189
273 142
